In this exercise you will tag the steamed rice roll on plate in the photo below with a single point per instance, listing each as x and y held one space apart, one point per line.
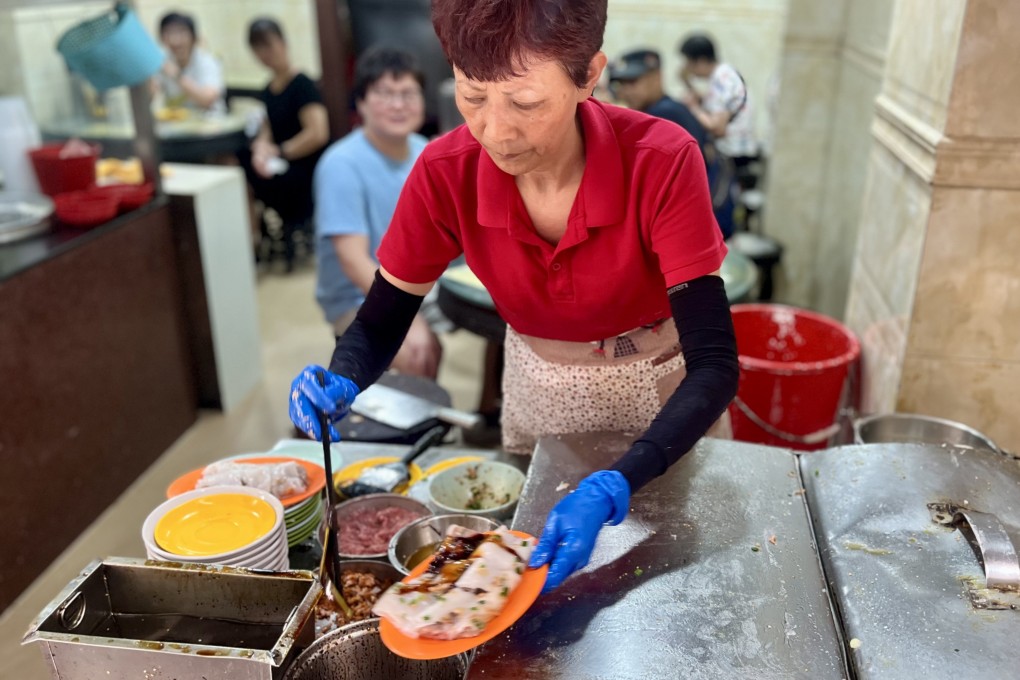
474 587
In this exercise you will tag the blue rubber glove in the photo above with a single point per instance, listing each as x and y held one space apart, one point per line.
573 525
308 399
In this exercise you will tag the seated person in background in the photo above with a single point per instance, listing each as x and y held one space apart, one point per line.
191 77
282 158
724 107
357 184
636 80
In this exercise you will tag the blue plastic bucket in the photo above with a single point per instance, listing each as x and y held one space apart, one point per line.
111 50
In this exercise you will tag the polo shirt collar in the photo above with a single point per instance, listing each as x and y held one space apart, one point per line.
602 193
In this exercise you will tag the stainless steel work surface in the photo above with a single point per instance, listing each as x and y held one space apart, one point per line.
905 584
712 575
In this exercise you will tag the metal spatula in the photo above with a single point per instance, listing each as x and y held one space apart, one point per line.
388 476
329 568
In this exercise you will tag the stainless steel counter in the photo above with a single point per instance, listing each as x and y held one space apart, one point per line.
911 591
713 575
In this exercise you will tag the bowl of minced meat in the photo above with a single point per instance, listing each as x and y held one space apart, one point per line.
366 524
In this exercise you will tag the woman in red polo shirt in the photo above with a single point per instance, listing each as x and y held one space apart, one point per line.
590 225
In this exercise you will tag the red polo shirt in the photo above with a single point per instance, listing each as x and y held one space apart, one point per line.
641 222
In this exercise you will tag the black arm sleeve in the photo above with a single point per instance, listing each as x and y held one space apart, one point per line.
702 316
374 338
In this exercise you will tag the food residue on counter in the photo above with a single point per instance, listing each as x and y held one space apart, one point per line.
863 548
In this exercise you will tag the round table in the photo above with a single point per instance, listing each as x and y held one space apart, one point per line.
183 141
464 300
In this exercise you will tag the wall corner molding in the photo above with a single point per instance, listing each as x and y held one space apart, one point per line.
978 163
911 140
944 160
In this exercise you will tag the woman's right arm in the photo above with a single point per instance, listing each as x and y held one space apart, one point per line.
368 346
418 245
361 355
314 133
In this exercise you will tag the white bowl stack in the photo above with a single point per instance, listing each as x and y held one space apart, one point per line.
267 552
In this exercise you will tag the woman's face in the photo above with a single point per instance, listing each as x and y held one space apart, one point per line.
525 123
179 41
272 52
393 107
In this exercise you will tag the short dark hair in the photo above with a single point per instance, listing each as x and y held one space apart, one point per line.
178 19
698 46
375 62
260 30
489 39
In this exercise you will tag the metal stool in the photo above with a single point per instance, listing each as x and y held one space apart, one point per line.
765 252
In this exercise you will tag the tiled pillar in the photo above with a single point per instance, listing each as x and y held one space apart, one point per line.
809 75
832 65
936 287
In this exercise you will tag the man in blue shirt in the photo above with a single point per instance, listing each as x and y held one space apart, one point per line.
357 183
636 80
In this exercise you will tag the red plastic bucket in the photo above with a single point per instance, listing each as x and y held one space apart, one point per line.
793 366
62 175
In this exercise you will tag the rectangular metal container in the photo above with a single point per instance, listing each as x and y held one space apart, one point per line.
132 618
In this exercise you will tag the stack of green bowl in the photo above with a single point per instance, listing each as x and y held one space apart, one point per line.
302 519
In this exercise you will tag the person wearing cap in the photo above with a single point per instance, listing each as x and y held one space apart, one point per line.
591 227
636 80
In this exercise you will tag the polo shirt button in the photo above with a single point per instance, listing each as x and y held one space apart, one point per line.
557 266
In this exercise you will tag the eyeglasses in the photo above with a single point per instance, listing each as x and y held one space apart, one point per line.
396 96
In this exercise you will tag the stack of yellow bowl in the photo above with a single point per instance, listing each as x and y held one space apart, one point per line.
231 525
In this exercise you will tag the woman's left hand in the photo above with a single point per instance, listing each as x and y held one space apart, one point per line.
574 523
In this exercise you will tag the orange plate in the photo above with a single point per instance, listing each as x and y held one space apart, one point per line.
523 596
316 479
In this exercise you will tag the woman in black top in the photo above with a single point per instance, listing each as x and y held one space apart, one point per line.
282 157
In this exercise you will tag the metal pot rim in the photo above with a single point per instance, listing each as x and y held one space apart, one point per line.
391 551
861 423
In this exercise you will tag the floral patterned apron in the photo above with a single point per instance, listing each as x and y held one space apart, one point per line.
618 385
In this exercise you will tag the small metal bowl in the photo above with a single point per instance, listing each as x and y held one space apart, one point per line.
371 502
430 531
356 652
380 570
451 490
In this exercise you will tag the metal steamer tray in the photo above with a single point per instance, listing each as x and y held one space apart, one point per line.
130 618
888 561
918 543
712 575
